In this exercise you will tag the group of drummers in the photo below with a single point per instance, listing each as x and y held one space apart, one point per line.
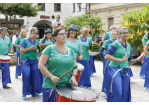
40 74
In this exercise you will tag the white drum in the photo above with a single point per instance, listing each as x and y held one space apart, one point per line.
5 58
93 53
80 67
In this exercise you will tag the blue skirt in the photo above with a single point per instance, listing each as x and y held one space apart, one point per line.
85 76
18 67
118 86
91 65
143 70
146 82
105 75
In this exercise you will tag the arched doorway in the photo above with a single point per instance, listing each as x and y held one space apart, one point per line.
42 26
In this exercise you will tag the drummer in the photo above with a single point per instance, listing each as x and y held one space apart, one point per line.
5 43
119 53
85 42
17 44
32 80
59 59
103 50
47 39
73 42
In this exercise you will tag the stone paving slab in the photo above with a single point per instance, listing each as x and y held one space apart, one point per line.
138 92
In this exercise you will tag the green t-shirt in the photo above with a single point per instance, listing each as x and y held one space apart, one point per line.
18 41
47 42
106 44
147 43
108 35
76 46
32 54
90 38
86 46
58 64
4 45
120 53
146 37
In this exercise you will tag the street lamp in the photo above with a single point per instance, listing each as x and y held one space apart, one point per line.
79 6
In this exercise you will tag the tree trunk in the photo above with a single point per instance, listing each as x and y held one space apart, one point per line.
6 21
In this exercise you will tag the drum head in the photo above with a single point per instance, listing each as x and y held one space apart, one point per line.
93 53
77 93
5 57
80 67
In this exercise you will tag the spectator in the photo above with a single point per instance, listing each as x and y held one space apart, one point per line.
97 40
13 38
57 23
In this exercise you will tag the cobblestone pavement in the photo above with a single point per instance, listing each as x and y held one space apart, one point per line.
138 92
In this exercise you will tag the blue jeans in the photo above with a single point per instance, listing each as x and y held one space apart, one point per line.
14 49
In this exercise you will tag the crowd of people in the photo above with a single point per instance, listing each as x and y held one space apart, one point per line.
40 74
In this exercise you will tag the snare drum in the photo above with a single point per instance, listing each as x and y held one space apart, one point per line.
93 53
80 69
76 94
5 58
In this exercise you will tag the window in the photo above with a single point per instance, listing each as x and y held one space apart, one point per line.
73 7
110 22
42 6
57 7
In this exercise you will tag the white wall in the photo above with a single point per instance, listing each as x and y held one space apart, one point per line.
66 11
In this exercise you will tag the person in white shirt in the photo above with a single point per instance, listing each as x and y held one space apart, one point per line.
13 38
57 23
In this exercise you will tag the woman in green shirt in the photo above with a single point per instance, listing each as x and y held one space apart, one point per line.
59 59
85 42
17 44
91 61
119 53
47 39
73 42
32 79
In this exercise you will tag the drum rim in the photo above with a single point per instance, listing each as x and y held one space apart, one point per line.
81 68
75 98
5 56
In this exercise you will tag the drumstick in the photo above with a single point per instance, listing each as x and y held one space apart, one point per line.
74 67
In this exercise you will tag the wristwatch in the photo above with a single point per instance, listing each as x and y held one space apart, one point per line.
74 75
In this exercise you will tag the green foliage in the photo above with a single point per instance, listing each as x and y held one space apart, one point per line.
137 22
19 9
85 19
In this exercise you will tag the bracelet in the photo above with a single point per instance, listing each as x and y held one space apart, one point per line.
74 75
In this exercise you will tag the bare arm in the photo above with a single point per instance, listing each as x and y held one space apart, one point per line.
100 43
146 48
80 56
103 40
23 50
143 42
56 26
40 41
16 45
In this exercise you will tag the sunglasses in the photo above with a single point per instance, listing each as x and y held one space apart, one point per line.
49 34
58 17
63 33
36 33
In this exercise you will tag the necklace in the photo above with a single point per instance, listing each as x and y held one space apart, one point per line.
63 52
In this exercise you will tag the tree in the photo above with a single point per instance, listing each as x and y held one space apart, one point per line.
85 19
137 22
18 9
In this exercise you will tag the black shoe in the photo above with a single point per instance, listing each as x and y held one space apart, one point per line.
6 87
16 77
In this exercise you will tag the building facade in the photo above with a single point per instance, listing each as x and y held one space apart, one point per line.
46 15
111 13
